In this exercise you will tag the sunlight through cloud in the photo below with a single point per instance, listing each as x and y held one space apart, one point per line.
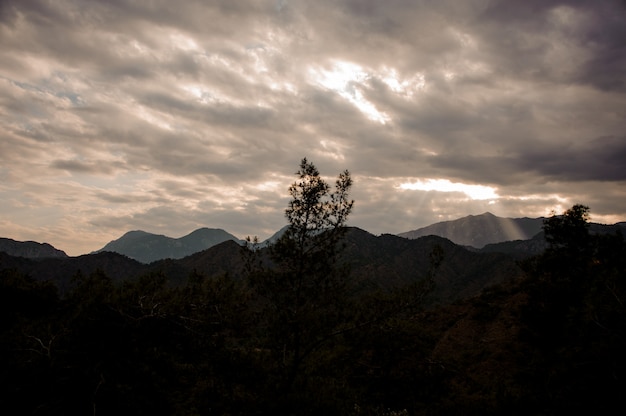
183 42
153 118
345 79
404 87
332 149
476 192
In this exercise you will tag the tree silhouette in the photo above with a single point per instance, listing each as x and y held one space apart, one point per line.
569 231
306 287
576 314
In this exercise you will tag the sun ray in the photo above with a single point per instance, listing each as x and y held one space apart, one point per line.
475 192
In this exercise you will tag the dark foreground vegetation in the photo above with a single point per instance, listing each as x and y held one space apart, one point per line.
300 335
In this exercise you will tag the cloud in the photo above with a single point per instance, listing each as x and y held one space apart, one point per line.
170 116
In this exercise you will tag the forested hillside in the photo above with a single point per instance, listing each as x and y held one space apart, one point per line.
548 343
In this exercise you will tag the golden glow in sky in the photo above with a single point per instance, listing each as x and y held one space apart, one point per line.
475 192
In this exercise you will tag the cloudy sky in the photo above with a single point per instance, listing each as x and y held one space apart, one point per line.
167 116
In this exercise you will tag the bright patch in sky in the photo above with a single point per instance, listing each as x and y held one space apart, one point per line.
332 149
152 118
269 186
183 42
405 87
346 79
476 192
201 95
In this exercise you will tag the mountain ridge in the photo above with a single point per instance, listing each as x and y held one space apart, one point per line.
29 249
485 232
146 247
376 262
480 230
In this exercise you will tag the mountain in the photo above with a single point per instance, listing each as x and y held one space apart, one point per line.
220 259
376 262
271 240
519 249
595 228
147 248
479 230
29 249
61 270
389 261
383 262
537 244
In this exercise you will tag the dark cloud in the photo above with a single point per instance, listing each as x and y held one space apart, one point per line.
125 198
85 167
556 41
601 159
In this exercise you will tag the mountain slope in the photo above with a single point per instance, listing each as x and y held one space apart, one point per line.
521 249
390 261
375 262
147 248
29 249
61 270
480 230
384 262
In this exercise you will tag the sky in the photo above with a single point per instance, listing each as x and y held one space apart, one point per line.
167 116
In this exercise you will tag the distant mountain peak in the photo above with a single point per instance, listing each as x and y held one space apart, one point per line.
136 233
479 230
147 247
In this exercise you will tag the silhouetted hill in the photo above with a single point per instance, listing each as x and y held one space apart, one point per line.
61 270
29 249
480 230
146 247
383 262
549 343
390 261
520 237
220 259
522 249
595 228
271 240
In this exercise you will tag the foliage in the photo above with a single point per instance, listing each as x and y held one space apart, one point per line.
576 317
570 230
306 289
